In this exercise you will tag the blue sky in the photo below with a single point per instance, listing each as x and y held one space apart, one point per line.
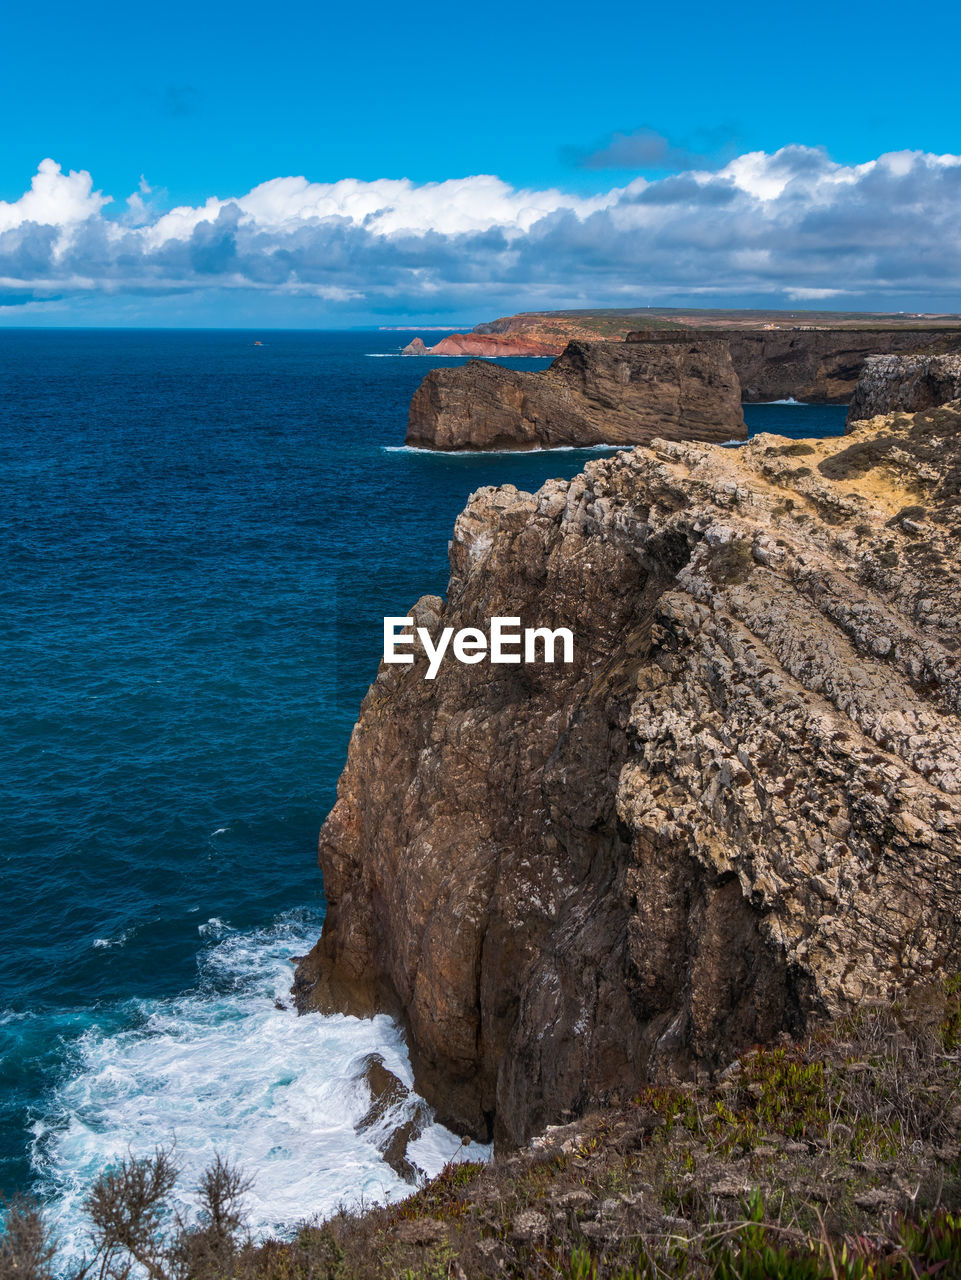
213 100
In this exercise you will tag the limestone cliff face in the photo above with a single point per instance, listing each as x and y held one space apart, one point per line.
888 383
817 365
738 809
595 393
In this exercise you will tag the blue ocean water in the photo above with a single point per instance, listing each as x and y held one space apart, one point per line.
201 537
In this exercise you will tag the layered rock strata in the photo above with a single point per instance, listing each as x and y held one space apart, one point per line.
595 393
737 811
888 383
817 365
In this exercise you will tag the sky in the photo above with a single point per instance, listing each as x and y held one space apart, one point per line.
325 165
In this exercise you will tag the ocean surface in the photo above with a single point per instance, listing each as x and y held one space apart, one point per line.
201 537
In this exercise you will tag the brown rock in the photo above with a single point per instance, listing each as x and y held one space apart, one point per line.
738 809
415 348
394 1118
595 393
910 383
817 365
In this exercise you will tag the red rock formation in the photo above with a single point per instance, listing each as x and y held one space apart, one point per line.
483 344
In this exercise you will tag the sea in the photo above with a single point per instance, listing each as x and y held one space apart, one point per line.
201 533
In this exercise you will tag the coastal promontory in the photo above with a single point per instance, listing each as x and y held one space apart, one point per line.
485 345
736 813
594 393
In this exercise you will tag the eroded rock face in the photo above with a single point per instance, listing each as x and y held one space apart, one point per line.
738 809
817 365
503 345
889 383
595 393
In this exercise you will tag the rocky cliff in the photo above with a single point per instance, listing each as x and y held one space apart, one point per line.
737 811
910 383
485 345
595 393
817 365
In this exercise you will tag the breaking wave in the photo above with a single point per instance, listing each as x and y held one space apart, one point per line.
229 1067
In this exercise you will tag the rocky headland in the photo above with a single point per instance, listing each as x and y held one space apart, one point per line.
804 355
485 345
594 393
681 384
736 814
910 383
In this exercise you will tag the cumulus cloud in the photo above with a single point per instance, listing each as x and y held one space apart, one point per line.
55 199
789 226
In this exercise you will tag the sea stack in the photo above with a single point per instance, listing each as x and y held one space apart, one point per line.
594 393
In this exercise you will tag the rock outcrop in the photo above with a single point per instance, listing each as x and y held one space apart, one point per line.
817 365
485 346
738 810
910 383
503 345
594 393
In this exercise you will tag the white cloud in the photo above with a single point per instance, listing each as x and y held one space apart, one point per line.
792 225
55 199
386 206
813 295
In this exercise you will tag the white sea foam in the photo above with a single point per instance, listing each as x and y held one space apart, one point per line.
789 400
505 453
224 1069
214 928
445 355
119 940
433 355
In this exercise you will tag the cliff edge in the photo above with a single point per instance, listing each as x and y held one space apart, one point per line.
889 383
736 811
594 393
815 365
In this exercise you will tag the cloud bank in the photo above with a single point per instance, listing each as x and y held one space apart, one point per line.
792 226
